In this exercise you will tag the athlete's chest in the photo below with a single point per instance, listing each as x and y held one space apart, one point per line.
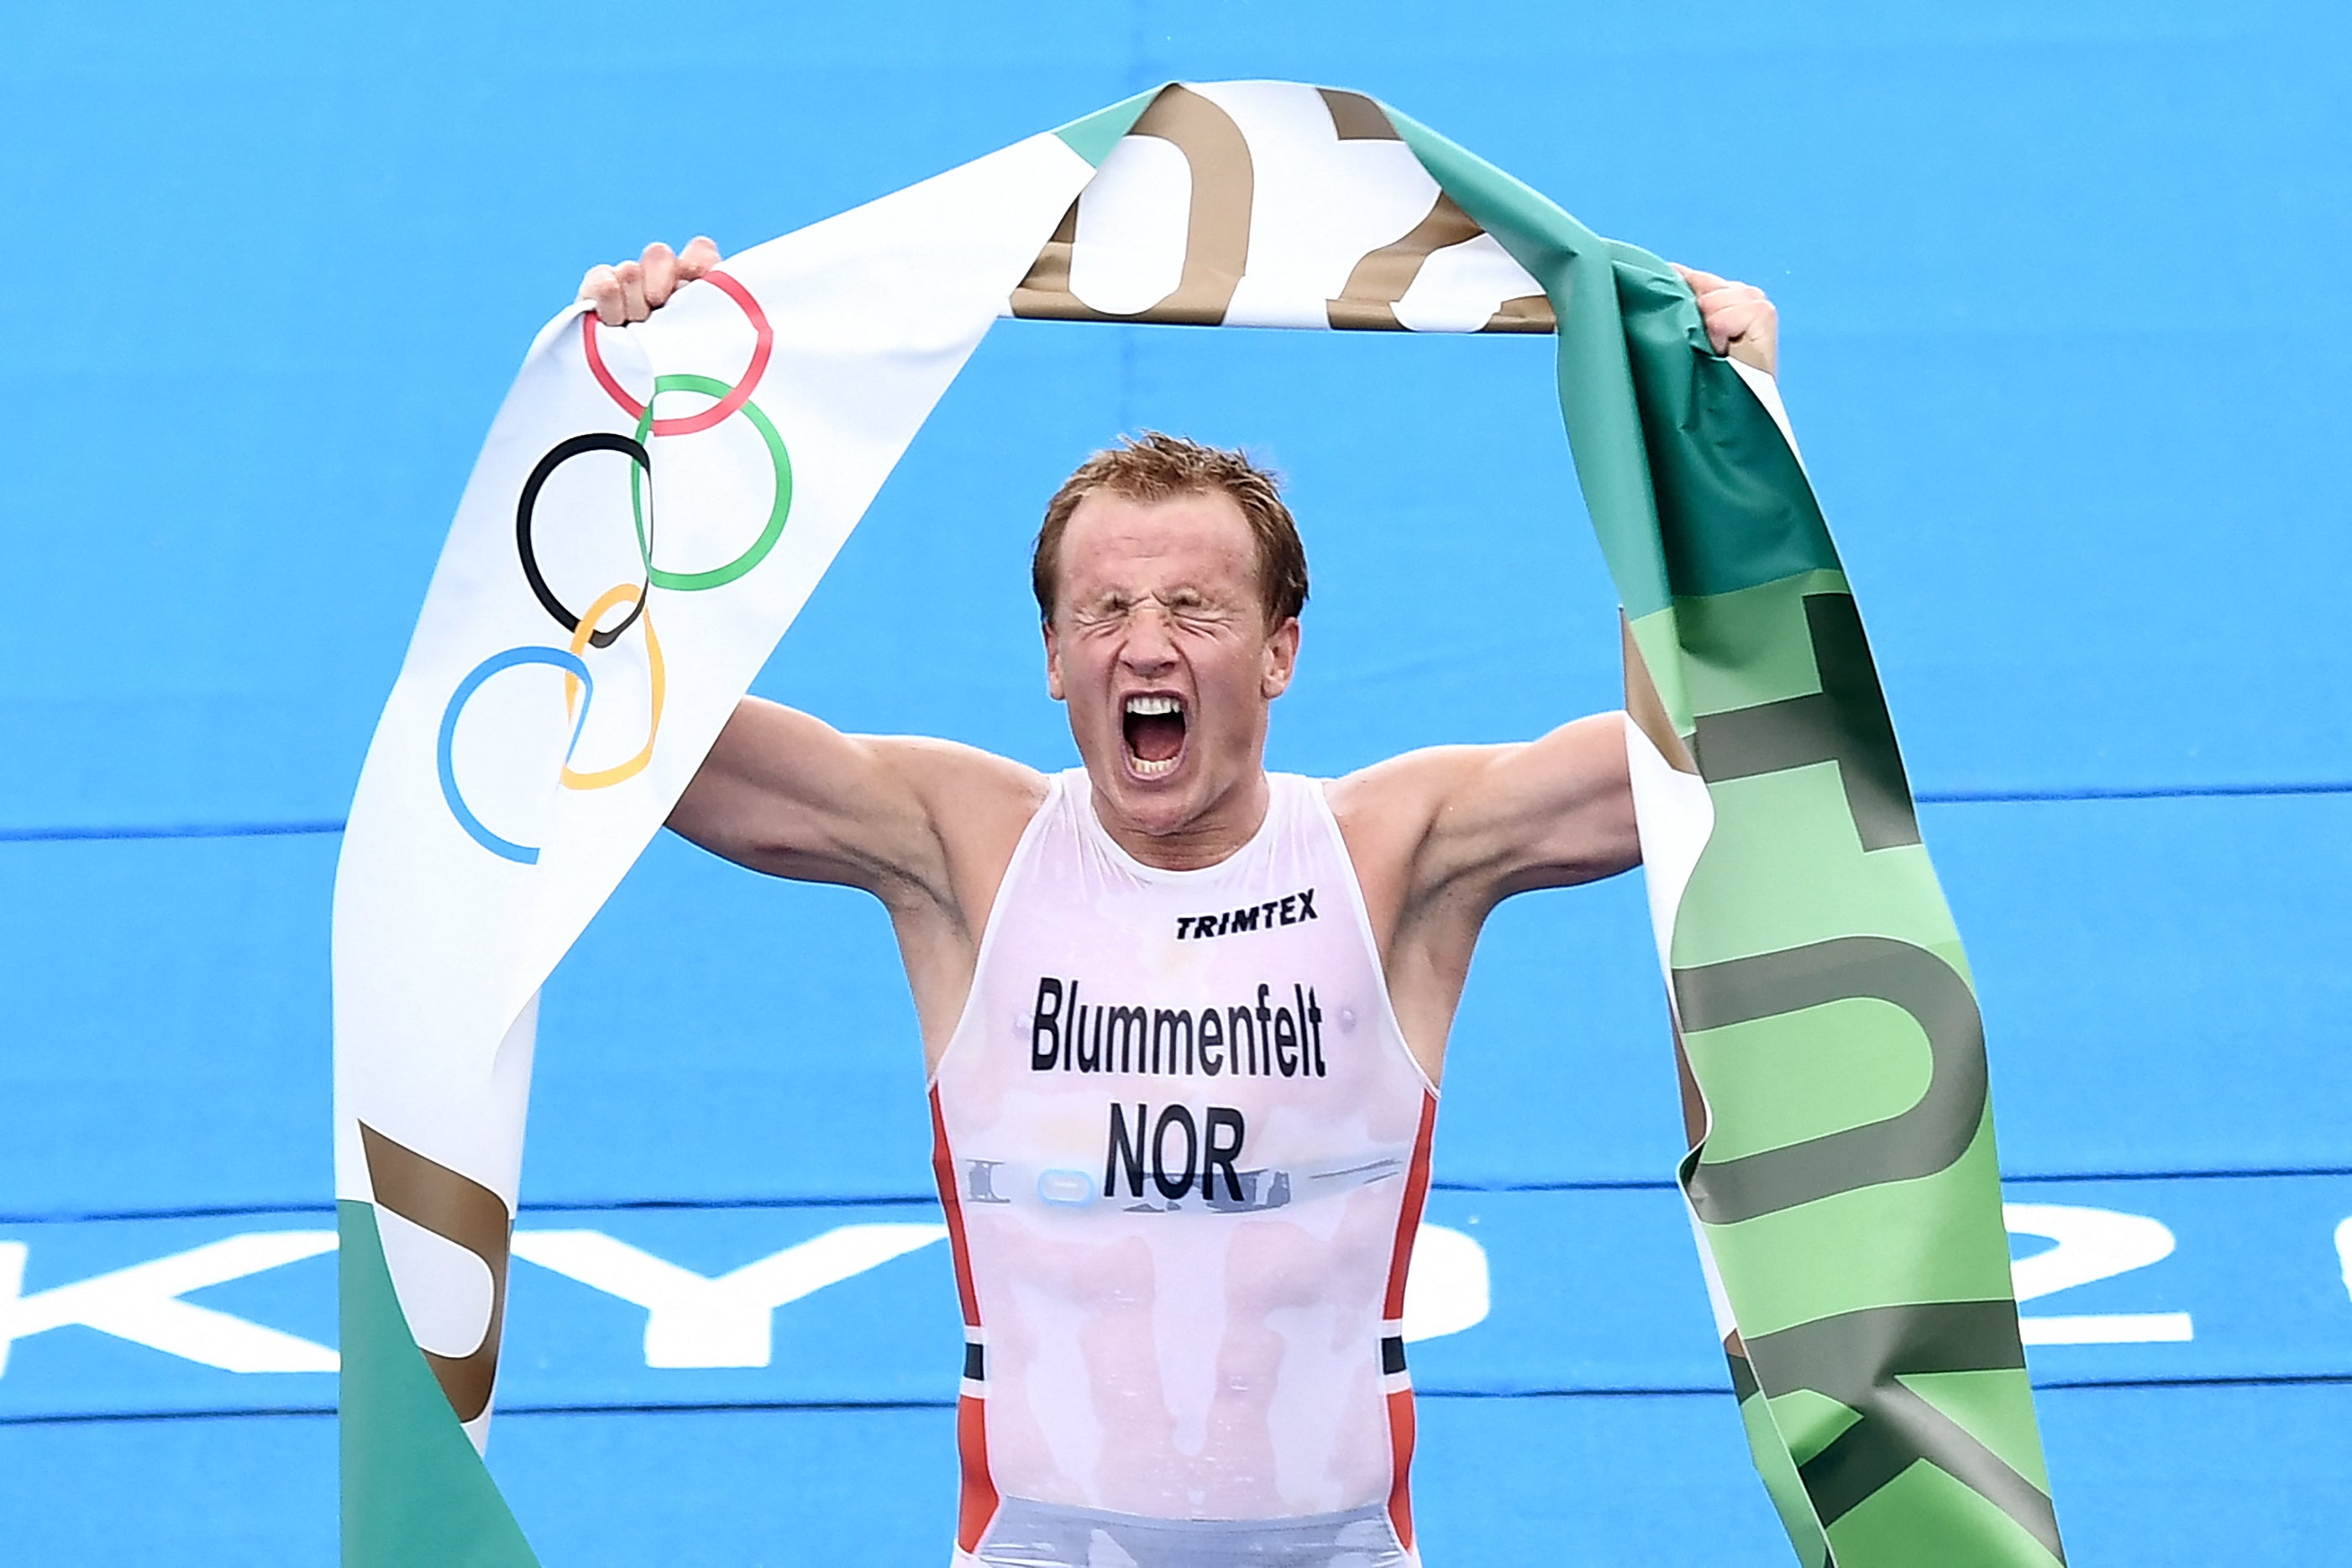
1223 1042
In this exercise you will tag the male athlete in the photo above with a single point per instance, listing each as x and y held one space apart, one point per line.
1185 1019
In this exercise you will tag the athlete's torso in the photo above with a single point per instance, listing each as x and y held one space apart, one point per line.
1182 1146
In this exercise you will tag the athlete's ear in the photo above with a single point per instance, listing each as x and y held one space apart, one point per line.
1281 660
1053 663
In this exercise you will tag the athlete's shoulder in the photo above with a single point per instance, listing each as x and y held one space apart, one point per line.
1409 788
964 789
1395 813
965 768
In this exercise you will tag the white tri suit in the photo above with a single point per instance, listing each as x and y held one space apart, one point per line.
1183 1149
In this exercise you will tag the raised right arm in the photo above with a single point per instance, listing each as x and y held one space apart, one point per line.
926 826
911 820
788 794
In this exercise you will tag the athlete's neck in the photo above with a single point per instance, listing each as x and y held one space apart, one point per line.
1201 840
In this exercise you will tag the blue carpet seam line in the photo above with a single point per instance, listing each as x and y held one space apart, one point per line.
845 1407
884 1200
1924 797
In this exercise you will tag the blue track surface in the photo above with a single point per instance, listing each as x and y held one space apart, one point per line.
2061 343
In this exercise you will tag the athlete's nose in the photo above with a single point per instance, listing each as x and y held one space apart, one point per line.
1148 649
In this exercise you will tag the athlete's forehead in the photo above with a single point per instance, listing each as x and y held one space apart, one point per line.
1118 546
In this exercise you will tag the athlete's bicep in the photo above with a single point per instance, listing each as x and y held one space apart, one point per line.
1559 810
1548 812
786 793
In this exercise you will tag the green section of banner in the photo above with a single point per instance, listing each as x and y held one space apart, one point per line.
1662 428
1847 1241
1847 1187
1093 137
414 1491
1782 1079
1741 648
1987 1404
1781 1482
1596 380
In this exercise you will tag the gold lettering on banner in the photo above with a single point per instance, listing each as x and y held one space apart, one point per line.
1523 313
1367 300
1216 232
457 1209
1355 118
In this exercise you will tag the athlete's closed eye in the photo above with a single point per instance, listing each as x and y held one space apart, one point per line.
1105 609
1187 607
1190 607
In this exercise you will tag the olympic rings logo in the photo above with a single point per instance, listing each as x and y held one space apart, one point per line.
587 631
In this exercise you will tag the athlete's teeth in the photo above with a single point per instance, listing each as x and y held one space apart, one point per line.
1152 705
1152 769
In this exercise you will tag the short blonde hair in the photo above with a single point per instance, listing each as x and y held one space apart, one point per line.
1155 466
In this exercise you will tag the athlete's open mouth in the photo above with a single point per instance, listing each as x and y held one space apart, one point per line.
1154 728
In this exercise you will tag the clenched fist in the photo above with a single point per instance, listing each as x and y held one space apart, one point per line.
634 289
1740 321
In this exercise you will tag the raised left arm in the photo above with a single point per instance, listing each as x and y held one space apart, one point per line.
1498 819
1440 837
1464 826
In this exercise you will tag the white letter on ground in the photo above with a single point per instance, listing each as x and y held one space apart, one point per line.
141 1303
2094 1244
692 1319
